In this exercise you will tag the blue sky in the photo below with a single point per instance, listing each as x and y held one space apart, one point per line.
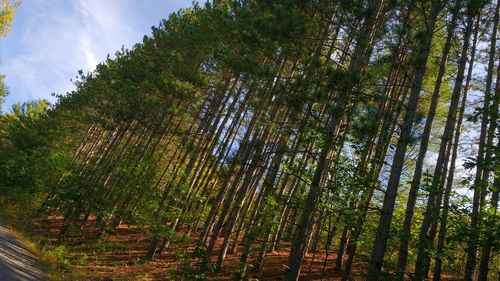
52 39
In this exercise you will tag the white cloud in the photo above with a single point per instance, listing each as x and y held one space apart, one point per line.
52 39
91 60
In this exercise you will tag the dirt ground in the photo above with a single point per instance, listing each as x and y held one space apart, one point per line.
120 257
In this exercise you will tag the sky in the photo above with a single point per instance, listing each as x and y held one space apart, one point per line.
52 39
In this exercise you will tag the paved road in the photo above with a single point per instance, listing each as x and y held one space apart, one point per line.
16 262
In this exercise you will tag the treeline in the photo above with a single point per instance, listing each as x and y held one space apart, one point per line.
249 126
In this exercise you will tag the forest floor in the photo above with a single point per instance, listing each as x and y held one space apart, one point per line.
120 257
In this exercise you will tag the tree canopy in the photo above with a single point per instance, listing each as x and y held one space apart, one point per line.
358 137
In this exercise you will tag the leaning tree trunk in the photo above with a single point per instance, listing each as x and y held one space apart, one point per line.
487 247
382 235
447 193
478 183
424 142
432 209
361 56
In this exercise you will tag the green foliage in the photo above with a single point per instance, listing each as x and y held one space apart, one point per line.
7 11
29 161
192 120
187 269
60 254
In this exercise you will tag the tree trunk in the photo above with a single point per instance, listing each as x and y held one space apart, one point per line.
478 183
382 235
361 56
424 142
451 172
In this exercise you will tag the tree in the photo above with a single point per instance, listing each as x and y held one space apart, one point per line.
242 127
420 60
481 173
6 18
415 184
